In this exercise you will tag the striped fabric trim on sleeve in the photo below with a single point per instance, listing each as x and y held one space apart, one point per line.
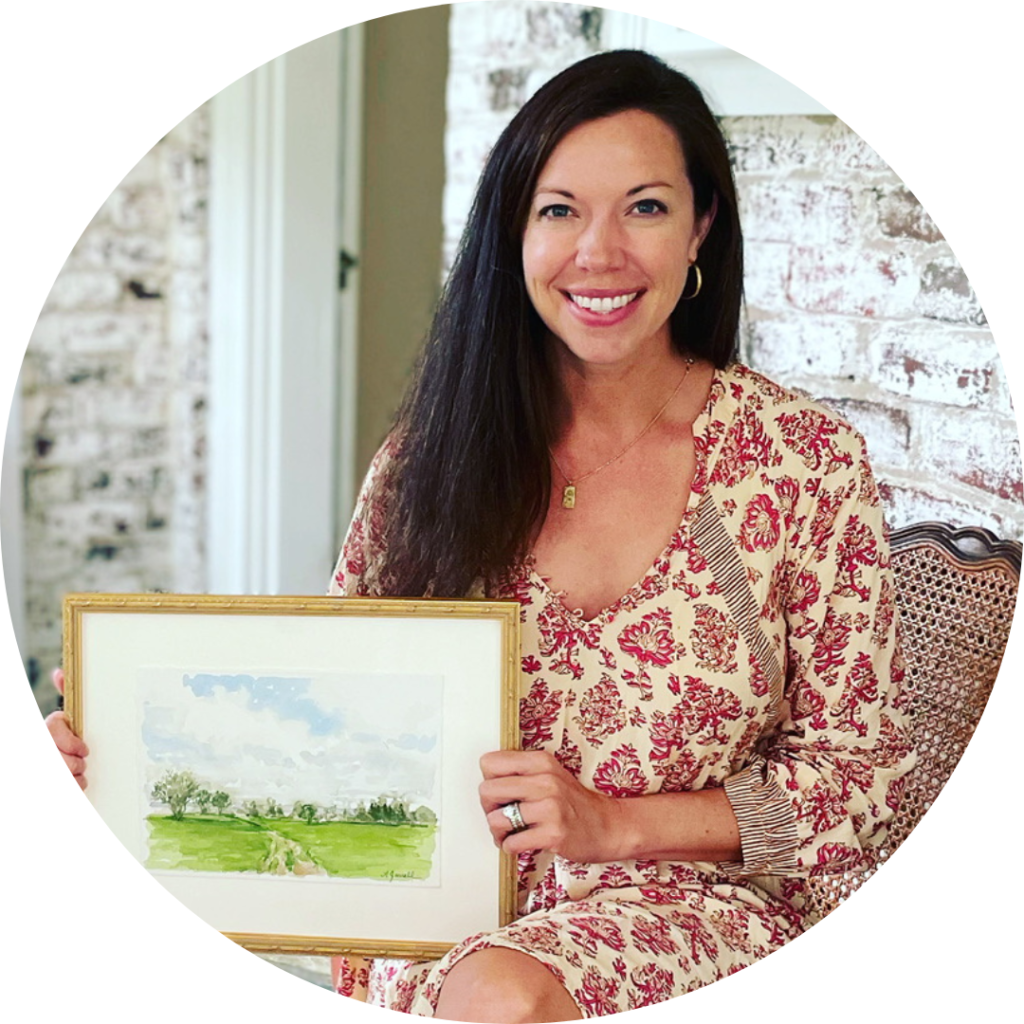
767 823
719 550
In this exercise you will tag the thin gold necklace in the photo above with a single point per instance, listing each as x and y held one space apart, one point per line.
569 491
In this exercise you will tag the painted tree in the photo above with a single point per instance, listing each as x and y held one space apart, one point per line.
389 811
220 801
203 799
307 812
424 816
176 789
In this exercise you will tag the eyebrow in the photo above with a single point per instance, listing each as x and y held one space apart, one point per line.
651 184
632 192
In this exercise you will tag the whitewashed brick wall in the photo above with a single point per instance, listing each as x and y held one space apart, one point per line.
500 53
854 296
852 293
113 400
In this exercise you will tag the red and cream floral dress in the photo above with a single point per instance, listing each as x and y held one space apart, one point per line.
758 653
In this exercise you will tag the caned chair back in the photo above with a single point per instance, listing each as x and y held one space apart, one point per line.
955 591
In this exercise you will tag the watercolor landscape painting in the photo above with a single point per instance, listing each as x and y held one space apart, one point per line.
305 776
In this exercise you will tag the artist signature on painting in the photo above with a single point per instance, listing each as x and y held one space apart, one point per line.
390 876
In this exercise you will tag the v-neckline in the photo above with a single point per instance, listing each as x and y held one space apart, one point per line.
701 439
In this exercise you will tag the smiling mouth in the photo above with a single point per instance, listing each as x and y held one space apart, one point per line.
603 304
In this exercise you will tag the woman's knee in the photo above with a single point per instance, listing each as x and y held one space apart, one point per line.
503 986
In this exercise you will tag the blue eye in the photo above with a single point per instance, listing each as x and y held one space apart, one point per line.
649 206
556 211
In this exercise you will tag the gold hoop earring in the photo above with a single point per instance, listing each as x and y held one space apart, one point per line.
700 281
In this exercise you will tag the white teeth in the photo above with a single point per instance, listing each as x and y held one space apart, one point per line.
605 305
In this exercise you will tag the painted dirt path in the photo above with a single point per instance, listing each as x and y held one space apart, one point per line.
287 857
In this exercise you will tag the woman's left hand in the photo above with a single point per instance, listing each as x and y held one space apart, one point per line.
560 814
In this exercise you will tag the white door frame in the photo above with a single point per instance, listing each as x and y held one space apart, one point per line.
281 370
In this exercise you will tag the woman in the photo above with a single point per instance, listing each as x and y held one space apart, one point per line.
709 701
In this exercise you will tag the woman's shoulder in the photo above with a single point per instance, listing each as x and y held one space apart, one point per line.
793 451
748 385
787 434
384 458
794 416
356 571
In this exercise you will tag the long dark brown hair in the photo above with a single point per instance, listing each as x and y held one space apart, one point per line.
468 481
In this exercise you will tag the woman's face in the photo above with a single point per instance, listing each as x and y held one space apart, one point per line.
610 236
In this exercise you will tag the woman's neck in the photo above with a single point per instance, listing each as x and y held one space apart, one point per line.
617 402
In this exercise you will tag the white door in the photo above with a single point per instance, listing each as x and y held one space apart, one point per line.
281 333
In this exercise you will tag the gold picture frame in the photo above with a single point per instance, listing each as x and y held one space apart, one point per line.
184 700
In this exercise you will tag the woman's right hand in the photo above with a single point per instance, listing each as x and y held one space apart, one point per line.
72 748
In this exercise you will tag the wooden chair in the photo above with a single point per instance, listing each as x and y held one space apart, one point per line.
955 591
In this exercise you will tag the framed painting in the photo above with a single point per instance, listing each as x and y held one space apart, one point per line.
302 772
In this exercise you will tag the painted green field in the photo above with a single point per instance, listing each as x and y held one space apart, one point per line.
287 846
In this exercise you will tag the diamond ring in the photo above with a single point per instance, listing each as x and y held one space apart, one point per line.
514 815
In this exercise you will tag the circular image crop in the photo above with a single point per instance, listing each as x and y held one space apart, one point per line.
488 298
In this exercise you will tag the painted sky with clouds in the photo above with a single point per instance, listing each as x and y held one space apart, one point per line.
330 739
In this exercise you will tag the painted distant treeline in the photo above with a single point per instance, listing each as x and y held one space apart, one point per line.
182 790
383 839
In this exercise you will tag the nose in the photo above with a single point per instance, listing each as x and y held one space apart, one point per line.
601 245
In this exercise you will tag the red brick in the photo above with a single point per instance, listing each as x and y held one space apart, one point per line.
467 145
796 346
1002 400
44 486
906 505
777 144
507 88
934 363
947 295
104 249
900 215
137 208
98 331
886 429
854 281
104 376
556 27
804 213
500 30
973 447
842 149
766 276
83 290
53 563
145 172
821 144
464 94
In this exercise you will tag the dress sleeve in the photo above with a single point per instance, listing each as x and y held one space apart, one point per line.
819 795
355 573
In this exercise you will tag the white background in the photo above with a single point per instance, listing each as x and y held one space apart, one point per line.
88 88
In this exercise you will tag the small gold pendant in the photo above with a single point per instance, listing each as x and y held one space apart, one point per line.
569 497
